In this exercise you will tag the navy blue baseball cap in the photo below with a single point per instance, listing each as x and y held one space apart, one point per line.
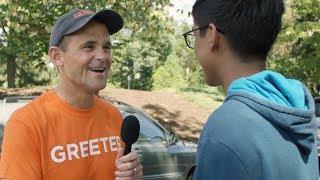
78 18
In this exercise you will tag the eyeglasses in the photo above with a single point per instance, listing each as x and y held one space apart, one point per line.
190 37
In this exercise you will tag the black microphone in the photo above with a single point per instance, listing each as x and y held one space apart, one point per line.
130 131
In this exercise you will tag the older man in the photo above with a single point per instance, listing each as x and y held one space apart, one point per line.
68 132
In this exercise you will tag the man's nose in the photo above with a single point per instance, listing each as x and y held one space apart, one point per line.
102 54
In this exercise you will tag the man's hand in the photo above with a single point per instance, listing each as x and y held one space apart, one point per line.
128 167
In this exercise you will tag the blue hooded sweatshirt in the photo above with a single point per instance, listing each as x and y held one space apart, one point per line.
265 130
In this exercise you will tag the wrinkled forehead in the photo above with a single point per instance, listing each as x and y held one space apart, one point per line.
95 30
95 33
94 27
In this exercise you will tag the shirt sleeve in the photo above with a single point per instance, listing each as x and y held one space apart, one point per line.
217 161
20 157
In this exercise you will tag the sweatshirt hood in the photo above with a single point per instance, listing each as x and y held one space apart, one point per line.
285 103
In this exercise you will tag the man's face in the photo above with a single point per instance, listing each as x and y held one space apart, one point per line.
205 55
87 58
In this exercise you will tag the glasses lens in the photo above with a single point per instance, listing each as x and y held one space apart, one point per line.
190 40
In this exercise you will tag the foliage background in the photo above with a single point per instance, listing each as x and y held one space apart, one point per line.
150 49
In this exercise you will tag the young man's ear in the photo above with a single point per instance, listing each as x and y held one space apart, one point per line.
214 36
55 54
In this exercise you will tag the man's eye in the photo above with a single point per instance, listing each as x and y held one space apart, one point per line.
107 47
89 47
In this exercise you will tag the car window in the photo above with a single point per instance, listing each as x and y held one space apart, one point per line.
150 132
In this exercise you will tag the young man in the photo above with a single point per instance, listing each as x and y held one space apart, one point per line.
68 132
265 129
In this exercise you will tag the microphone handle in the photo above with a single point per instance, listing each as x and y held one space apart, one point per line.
127 149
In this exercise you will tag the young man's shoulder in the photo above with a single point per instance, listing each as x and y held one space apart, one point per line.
232 114
235 125
232 129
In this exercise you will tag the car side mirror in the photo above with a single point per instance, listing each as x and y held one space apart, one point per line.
174 138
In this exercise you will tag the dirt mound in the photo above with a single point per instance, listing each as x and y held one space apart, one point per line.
175 113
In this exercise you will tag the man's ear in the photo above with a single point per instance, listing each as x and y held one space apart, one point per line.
214 36
55 54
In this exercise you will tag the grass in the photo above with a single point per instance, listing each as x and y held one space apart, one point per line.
208 98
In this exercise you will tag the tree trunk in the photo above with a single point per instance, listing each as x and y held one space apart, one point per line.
11 71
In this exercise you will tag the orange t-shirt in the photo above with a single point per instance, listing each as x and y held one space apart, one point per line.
50 140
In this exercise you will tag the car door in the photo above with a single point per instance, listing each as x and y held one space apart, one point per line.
159 160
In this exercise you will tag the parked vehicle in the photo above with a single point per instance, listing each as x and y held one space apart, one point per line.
317 112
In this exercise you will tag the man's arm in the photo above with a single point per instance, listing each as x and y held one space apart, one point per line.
20 158
217 161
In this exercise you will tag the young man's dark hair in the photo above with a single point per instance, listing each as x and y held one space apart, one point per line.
250 26
265 128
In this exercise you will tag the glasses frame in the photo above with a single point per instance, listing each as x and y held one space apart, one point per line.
191 33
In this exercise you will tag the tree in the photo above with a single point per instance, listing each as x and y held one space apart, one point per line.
171 74
22 42
143 47
297 52
181 68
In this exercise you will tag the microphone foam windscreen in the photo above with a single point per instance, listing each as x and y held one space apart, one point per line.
130 129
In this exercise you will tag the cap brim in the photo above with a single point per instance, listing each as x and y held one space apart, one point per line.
110 18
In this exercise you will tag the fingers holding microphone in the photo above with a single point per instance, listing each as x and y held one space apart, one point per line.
128 163
128 167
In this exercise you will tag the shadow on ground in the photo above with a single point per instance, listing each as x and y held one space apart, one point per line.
188 128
